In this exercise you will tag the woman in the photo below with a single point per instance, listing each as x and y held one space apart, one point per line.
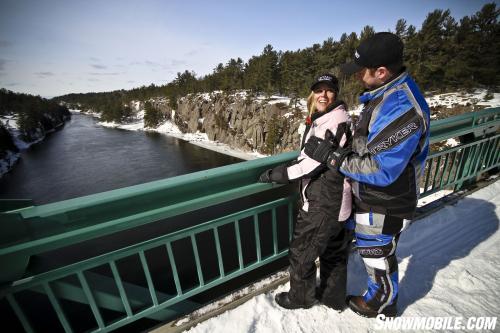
326 205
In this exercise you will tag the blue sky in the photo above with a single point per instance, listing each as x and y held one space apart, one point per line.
55 47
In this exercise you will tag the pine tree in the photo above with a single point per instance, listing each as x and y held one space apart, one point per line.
434 43
486 64
367 32
152 116
273 135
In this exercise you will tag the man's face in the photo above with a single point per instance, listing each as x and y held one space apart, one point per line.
369 78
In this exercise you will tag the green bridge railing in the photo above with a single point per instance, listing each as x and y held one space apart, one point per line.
148 253
477 153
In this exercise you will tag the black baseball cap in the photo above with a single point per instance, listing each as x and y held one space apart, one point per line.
328 79
381 49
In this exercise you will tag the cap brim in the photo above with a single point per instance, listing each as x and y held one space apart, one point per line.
350 68
327 83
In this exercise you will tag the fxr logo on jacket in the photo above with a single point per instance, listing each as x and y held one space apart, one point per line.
394 139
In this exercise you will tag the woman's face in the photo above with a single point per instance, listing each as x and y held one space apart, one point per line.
323 96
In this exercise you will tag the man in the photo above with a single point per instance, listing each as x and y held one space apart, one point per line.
385 162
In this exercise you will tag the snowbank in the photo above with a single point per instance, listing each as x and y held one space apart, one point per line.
88 113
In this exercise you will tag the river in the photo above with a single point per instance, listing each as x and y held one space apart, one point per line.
85 158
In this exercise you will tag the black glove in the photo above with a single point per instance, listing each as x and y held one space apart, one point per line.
319 149
278 175
336 158
265 177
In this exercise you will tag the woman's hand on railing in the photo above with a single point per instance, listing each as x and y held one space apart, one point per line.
277 175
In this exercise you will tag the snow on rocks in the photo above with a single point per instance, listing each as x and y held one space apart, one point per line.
91 113
357 110
481 98
477 99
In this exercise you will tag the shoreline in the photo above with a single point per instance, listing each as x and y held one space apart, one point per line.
170 129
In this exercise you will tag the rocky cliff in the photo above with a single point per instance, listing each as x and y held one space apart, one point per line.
266 125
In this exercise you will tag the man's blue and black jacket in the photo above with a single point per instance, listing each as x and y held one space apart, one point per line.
389 148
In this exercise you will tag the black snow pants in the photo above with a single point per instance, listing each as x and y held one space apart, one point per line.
318 233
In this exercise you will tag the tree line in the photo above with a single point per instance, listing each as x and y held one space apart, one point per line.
445 54
34 116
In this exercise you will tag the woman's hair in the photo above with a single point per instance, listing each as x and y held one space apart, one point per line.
311 106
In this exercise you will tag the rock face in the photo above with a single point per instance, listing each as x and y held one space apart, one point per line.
247 123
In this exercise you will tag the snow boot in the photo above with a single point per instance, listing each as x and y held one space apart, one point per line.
283 300
337 306
358 305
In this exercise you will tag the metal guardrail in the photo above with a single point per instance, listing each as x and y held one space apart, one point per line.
37 229
478 151
50 282
482 122
163 266
33 231
453 166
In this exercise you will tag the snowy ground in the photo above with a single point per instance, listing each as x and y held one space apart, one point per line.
449 263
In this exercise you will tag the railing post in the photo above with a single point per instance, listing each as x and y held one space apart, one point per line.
57 308
121 290
220 261
91 300
20 314
257 237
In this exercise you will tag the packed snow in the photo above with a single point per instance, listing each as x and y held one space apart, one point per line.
449 265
